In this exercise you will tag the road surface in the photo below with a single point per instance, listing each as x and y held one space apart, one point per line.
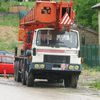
10 90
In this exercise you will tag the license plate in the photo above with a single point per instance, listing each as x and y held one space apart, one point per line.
56 68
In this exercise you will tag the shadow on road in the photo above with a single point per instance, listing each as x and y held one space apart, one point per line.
37 83
45 84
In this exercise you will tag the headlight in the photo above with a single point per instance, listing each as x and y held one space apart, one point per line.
36 66
42 66
71 67
77 67
39 66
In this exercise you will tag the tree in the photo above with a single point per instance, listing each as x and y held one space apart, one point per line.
85 15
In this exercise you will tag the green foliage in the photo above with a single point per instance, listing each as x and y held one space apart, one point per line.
85 15
96 85
85 66
95 21
2 9
27 4
9 20
93 68
6 46
4 6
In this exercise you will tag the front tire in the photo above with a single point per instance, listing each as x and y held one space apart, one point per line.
30 80
74 81
71 81
67 81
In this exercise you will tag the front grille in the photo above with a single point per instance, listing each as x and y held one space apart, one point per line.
56 59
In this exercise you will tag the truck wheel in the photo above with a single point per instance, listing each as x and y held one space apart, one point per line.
67 81
74 80
15 64
23 78
30 80
17 74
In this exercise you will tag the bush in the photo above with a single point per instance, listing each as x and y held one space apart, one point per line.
2 9
96 85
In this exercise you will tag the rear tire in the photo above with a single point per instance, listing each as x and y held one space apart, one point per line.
23 78
17 74
15 64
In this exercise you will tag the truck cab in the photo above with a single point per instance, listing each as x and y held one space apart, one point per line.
55 56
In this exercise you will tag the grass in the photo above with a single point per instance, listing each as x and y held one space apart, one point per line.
93 68
93 72
8 46
4 6
8 34
27 4
9 20
8 37
96 85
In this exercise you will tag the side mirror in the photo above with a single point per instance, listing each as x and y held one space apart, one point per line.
34 51
79 54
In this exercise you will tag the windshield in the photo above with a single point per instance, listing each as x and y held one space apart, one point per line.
52 38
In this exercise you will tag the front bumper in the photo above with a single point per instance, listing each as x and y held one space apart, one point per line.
52 72
55 67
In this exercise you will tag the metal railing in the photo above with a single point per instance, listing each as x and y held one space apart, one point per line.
91 54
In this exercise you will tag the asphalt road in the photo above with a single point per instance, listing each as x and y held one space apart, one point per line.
10 90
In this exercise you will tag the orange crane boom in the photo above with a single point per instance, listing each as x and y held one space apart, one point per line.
47 14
